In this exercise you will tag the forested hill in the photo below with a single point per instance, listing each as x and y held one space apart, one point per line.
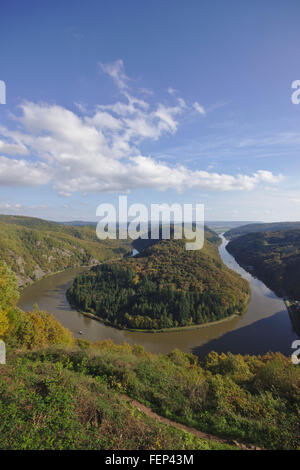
274 257
141 244
260 227
34 247
165 286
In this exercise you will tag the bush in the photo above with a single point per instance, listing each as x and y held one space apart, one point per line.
35 329
252 398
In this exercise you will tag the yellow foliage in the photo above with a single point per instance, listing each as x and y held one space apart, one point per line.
3 322
36 329
8 295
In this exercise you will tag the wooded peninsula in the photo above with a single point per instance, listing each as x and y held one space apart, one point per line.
164 286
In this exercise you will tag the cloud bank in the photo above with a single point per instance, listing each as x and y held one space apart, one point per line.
98 151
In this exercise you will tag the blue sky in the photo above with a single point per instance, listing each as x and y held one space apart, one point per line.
166 101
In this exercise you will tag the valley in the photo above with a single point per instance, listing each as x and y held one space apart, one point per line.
265 326
235 391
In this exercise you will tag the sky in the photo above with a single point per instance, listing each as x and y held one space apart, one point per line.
165 101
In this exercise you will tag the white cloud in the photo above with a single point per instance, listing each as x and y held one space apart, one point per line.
103 120
23 173
13 148
99 151
10 206
199 108
116 71
172 91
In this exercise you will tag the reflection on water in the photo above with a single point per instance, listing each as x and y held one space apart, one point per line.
266 325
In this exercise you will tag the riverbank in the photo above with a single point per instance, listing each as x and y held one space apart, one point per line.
83 266
161 330
293 307
47 275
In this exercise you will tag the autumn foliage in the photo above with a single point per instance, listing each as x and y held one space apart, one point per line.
8 295
36 329
30 330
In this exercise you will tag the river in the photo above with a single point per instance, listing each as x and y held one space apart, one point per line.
265 326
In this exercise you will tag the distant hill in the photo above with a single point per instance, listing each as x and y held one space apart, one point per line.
164 286
34 247
78 223
274 257
224 226
217 226
141 244
260 227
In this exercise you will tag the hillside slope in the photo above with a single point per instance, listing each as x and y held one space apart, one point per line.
274 257
62 398
164 286
46 405
35 247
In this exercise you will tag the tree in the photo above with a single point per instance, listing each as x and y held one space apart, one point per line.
36 329
8 295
